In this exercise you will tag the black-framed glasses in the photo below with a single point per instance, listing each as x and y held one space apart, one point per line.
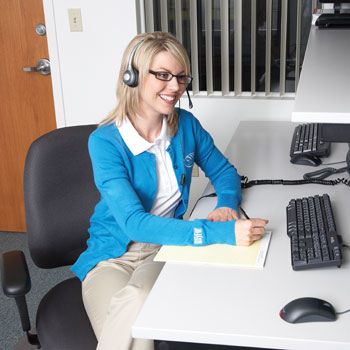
166 76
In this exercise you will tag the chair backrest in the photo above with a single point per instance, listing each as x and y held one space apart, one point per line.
59 195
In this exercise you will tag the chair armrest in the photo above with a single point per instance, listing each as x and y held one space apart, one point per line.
15 277
16 284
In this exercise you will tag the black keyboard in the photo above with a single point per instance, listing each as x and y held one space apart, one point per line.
333 20
313 235
306 141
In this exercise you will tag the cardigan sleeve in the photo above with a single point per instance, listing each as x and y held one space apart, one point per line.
112 180
222 174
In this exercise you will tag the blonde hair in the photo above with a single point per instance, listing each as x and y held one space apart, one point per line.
149 45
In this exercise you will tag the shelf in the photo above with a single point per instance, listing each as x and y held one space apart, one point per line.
323 93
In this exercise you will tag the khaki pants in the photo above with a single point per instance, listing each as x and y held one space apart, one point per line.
113 293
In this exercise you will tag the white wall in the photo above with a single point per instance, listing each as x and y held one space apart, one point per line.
221 116
85 65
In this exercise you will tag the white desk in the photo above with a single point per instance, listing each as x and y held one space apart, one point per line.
324 87
232 306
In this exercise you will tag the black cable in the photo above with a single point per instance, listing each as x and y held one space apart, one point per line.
246 183
214 195
343 161
308 179
342 312
206 196
323 173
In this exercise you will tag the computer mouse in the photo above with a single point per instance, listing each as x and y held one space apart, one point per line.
308 310
306 159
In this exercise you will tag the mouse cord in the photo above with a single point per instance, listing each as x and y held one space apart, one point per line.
343 312
343 161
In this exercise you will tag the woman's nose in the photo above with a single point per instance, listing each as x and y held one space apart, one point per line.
173 84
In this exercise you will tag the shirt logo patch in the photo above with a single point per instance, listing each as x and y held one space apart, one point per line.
197 235
189 160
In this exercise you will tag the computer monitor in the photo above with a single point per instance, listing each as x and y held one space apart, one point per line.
337 133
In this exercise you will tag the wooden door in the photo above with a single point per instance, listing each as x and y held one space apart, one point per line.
26 106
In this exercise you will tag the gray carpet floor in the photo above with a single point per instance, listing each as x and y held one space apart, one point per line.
11 334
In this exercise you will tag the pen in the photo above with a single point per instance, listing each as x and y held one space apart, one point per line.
244 213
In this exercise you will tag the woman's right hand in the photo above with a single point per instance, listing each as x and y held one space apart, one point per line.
249 231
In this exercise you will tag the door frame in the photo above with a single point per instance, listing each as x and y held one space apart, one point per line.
49 13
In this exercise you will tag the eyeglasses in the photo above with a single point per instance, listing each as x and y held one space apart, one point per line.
166 76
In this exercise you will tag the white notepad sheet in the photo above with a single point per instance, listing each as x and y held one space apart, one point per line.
253 256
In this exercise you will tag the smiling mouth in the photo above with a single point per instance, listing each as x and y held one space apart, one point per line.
168 99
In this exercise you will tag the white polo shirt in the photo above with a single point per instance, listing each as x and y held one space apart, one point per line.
168 195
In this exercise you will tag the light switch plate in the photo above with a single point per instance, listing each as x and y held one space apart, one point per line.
75 20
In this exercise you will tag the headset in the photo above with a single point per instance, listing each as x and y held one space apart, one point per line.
131 75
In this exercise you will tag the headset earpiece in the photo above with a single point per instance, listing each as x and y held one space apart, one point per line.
131 75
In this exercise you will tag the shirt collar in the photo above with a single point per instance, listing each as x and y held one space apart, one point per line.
135 142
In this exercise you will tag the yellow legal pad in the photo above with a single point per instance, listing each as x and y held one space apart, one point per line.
253 256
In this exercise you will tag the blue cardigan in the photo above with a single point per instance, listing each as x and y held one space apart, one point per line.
128 185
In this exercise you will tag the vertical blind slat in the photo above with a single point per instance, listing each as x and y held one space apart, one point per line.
238 46
297 44
146 23
253 47
194 46
208 45
178 20
225 72
164 15
149 15
268 47
283 45
140 16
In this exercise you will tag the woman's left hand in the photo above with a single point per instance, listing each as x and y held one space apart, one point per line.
223 214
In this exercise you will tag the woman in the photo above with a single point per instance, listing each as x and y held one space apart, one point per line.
142 156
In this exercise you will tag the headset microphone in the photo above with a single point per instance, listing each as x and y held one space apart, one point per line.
131 75
190 104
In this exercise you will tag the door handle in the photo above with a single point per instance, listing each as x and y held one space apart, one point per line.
42 67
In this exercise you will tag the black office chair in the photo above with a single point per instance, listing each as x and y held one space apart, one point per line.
60 196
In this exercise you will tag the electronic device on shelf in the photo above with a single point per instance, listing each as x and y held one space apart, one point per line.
312 231
307 147
338 19
333 20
